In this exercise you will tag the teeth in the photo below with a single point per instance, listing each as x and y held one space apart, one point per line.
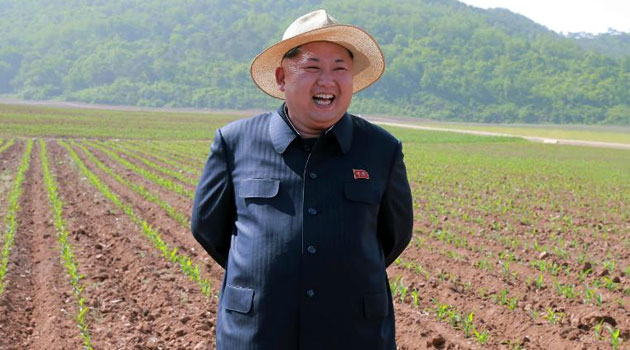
323 102
327 96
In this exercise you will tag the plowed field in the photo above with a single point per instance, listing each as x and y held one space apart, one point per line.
516 245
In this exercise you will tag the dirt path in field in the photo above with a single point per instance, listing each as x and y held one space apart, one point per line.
138 299
37 307
404 122
547 140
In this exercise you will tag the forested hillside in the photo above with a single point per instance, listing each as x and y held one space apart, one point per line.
446 60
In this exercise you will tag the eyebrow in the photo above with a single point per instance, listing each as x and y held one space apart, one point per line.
313 59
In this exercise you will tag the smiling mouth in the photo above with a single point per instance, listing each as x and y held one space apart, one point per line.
323 99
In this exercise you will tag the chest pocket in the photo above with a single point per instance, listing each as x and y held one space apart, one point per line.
361 191
258 188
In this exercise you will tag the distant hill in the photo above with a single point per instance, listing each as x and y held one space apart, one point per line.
613 43
446 60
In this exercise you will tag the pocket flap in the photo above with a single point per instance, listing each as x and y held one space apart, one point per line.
361 192
258 188
375 306
238 299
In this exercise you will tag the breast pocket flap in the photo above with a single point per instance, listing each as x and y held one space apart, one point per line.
259 188
361 192
238 299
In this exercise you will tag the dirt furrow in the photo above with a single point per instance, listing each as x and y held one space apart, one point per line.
9 162
162 169
170 151
173 233
416 329
121 169
160 157
522 277
590 240
525 322
37 307
138 300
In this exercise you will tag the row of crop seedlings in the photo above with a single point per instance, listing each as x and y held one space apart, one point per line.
401 290
474 212
149 175
591 293
159 155
182 151
3 148
463 321
6 145
192 150
475 223
67 256
549 272
187 266
151 165
404 293
139 189
172 212
544 265
196 151
10 219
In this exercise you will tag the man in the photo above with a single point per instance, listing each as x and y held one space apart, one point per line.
306 207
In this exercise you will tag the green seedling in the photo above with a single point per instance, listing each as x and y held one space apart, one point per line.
597 328
467 325
481 337
615 338
552 316
414 298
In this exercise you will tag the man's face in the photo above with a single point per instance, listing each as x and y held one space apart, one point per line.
317 84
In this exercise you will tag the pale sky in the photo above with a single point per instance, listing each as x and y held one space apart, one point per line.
568 16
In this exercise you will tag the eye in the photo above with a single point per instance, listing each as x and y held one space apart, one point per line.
341 69
312 68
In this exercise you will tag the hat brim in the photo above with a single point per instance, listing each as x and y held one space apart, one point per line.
368 63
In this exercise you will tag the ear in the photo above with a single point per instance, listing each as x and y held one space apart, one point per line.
280 78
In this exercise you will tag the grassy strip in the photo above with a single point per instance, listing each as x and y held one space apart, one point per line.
166 183
141 190
145 151
67 257
189 269
6 145
179 176
10 219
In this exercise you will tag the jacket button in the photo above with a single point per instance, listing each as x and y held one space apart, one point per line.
310 293
312 176
312 211
311 249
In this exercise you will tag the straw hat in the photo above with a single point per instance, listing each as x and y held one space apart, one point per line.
368 62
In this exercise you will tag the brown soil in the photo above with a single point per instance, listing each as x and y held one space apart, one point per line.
37 307
141 301
173 233
138 299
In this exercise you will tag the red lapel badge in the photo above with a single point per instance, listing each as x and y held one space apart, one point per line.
361 174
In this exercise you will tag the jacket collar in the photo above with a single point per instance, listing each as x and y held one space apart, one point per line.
282 134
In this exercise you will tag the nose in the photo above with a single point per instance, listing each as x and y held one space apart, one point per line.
326 78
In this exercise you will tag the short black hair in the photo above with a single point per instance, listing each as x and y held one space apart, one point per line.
296 51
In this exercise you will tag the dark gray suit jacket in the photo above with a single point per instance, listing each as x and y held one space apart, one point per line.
304 234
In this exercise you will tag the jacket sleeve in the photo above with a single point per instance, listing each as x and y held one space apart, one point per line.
395 218
214 210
